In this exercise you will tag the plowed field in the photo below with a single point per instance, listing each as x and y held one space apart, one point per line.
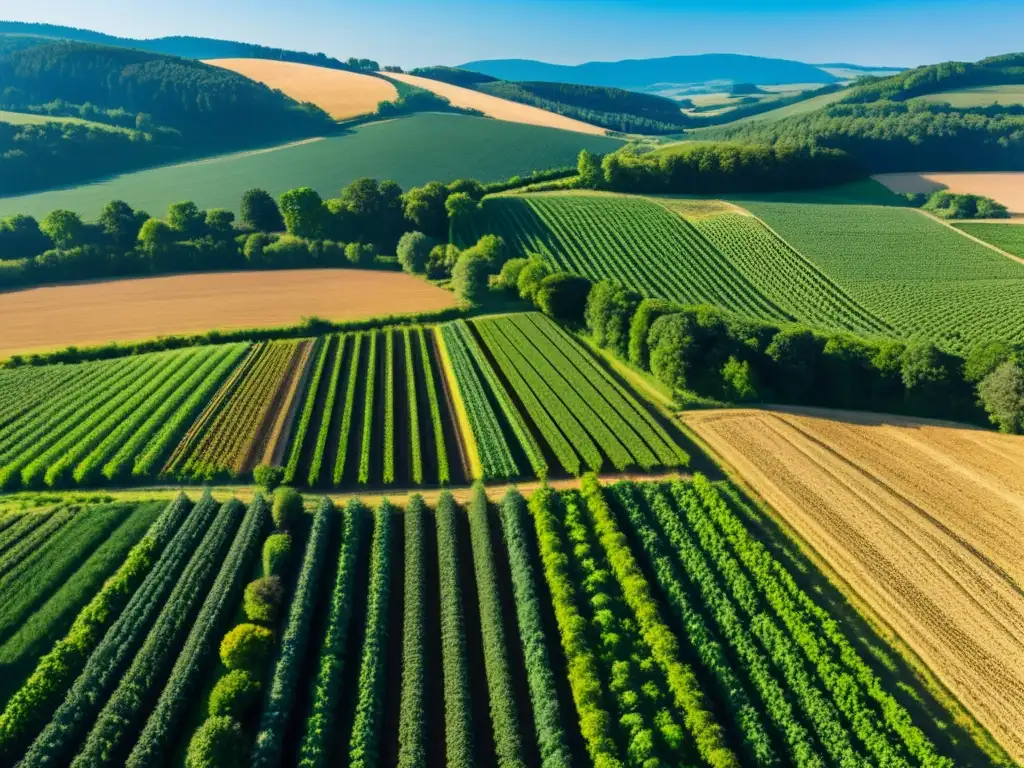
922 520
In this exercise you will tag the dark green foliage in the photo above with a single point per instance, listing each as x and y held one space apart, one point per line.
508 278
21 238
263 599
563 296
277 550
412 727
608 312
458 710
414 251
1002 395
424 208
499 676
453 75
647 312
260 211
294 643
469 277
531 276
304 212
247 647
947 205
234 695
268 477
219 743
287 508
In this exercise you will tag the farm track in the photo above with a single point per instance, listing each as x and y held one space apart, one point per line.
935 554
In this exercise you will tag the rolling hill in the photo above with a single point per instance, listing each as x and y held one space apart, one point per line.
639 74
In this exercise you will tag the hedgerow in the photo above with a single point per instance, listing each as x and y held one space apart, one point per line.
364 745
162 726
316 740
281 695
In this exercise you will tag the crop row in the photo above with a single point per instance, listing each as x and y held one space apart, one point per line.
492 449
298 439
412 727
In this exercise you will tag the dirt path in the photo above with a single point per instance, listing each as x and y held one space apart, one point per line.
921 519
978 240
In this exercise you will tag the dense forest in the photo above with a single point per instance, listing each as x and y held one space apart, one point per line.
159 107
885 129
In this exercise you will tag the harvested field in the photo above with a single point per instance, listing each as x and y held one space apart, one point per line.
500 109
340 94
921 519
1003 187
49 317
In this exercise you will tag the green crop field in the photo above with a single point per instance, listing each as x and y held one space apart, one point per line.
1009 237
983 96
689 251
633 623
919 276
411 150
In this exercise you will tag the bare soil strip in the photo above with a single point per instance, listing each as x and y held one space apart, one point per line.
1006 187
921 519
54 316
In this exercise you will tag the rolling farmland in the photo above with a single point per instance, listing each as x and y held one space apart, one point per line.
917 275
921 520
644 621
52 317
655 247
411 150
340 94
1008 238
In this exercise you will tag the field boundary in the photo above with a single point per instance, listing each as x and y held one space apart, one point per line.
943 696
969 236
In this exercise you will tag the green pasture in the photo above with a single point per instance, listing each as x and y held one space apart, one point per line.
983 96
412 151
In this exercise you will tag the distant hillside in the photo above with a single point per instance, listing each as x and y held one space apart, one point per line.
186 47
887 127
165 107
637 74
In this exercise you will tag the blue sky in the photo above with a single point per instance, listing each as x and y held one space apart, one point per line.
413 32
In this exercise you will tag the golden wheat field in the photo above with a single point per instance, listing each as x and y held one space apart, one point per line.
340 94
53 316
924 521
499 109
1006 187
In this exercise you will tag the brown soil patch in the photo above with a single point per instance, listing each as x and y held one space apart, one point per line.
500 109
921 519
50 317
340 94
1003 187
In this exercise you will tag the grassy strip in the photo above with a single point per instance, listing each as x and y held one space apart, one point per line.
368 415
458 706
54 561
540 677
364 745
596 722
499 677
156 740
549 430
299 438
316 741
461 414
346 416
294 642
124 712
443 470
414 414
22 526
389 406
412 733
36 633
29 547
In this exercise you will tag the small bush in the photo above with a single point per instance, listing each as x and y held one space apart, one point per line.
247 647
277 550
234 694
287 508
217 743
263 599
267 476
414 251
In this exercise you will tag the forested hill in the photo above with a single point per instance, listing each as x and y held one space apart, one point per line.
886 128
186 47
142 108
637 74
